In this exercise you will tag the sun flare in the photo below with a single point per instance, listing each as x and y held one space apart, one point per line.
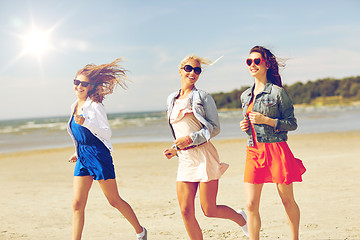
36 42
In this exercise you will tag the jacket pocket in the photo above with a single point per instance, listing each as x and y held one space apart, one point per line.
269 107
90 115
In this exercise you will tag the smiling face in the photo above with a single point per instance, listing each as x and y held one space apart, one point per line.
189 78
81 91
258 71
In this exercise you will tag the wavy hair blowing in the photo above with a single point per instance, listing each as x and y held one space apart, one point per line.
200 60
104 78
273 72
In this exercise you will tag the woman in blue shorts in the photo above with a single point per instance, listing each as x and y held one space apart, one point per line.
89 128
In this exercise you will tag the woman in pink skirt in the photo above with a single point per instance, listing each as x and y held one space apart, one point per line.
269 115
193 119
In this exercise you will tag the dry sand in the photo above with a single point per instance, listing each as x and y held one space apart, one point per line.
36 193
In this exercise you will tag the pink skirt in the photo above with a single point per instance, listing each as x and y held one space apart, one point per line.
272 163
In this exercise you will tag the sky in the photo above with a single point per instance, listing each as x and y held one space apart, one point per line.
319 39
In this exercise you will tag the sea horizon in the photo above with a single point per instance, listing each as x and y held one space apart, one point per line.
50 132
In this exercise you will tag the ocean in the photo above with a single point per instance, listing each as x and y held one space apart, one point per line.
45 133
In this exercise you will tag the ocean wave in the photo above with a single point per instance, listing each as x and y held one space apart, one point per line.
146 127
30 126
116 121
121 121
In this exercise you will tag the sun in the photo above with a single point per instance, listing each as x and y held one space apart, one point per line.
36 42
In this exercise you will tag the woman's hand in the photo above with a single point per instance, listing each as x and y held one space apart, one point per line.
258 118
244 125
79 119
170 152
183 142
73 158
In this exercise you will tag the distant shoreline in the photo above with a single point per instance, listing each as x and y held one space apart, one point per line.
152 127
353 103
149 144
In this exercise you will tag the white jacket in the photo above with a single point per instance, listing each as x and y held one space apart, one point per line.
95 120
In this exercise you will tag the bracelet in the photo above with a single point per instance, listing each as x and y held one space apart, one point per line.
188 140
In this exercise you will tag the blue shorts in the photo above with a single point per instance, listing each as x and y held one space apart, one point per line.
99 167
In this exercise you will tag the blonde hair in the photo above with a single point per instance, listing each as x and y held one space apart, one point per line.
200 60
104 78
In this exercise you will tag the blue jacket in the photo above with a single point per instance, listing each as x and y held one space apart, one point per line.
274 103
204 109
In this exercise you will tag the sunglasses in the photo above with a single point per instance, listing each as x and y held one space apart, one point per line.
257 61
188 68
83 83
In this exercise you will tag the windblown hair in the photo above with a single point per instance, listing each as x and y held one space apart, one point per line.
272 74
104 78
196 58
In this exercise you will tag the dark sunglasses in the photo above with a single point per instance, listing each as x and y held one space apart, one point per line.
257 61
83 83
188 68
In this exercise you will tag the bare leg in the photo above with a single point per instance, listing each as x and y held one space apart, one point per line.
110 190
292 209
208 193
186 192
82 186
253 193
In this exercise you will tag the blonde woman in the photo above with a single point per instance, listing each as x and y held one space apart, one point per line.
193 119
89 128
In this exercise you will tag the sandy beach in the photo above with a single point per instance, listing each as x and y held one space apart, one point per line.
36 193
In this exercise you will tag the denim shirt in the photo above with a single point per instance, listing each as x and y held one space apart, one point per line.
204 109
273 102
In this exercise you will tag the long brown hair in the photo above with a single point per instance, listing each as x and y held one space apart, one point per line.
272 74
104 78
